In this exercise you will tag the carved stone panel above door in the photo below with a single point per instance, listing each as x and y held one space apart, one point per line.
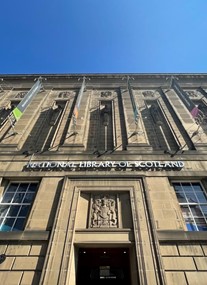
104 211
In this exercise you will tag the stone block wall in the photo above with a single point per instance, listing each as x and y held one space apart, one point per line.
185 263
23 264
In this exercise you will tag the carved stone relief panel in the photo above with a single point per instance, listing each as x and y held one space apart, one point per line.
106 94
194 94
151 94
148 94
104 211
16 95
66 95
20 95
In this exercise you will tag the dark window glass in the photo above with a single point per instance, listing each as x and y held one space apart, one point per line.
15 205
3 210
191 198
181 197
23 187
13 211
8 223
19 224
7 198
196 211
201 197
18 197
12 187
187 187
197 187
193 202
29 197
204 210
177 187
24 211
33 187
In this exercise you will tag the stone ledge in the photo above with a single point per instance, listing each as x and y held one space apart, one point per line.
104 230
181 236
25 235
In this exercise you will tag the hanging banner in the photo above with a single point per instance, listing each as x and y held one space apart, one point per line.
134 105
77 105
21 107
194 111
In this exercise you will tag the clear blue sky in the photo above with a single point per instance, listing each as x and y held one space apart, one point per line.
93 36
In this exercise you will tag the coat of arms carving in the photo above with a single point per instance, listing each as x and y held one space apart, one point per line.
66 95
106 94
104 212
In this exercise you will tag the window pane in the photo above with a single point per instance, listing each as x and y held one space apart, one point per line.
13 211
23 187
24 210
177 186
12 187
18 197
201 197
187 187
29 197
202 227
181 197
191 226
197 187
7 197
33 187
8 223
204 210
19 224
201 224
196 211
191 197
186 212
3 210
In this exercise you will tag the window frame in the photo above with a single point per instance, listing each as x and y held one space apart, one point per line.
19 204
193 225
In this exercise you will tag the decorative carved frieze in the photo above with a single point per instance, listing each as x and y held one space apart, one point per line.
192 93
106 94
104 212
20 95
148 93
65 95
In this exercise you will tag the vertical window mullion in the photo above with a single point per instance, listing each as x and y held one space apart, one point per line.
193 217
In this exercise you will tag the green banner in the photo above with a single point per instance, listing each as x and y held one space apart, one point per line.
21 107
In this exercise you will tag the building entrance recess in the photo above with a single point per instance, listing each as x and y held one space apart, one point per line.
102 266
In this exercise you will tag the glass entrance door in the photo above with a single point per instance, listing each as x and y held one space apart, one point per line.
103 266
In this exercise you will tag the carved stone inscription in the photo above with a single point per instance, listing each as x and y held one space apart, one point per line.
104 211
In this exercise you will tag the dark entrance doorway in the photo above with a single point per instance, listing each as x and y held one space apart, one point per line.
103 266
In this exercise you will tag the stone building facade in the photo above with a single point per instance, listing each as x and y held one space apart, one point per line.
103 180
